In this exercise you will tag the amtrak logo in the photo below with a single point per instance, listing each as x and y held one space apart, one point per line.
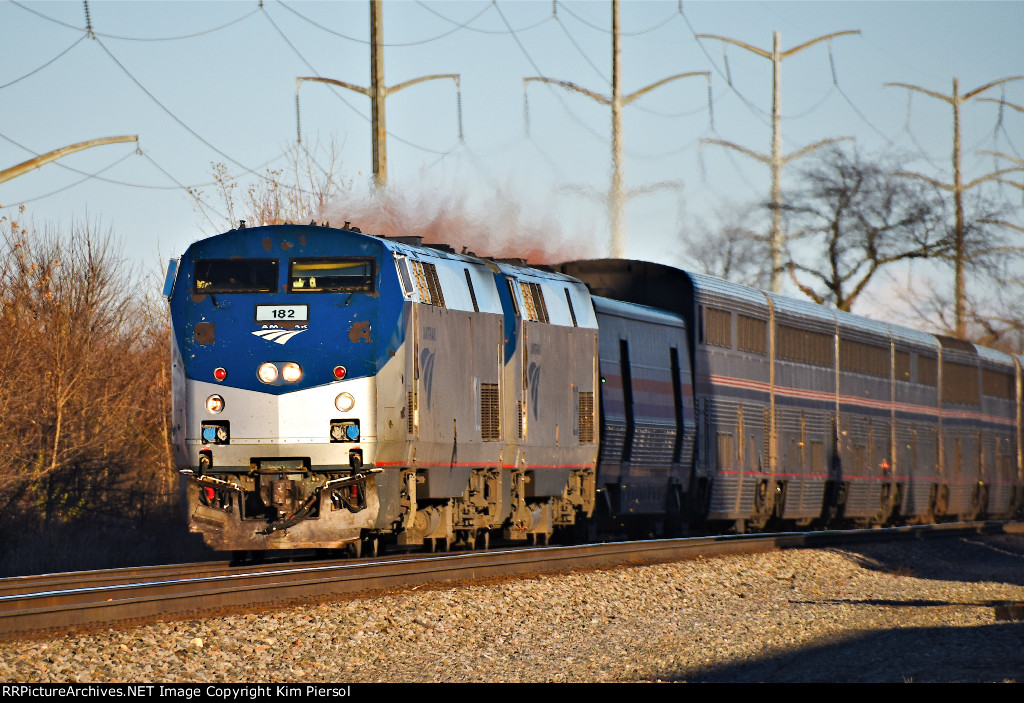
279 335
533 378
427 365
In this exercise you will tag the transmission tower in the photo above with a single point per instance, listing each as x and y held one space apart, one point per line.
957 188
776 160
616 195
377 92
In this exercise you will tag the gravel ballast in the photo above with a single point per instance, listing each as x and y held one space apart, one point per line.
902 612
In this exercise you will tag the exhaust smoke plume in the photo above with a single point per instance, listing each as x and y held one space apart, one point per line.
502 228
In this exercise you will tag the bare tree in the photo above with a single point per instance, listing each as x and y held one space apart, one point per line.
735 251
849 217
993 318
991 309
83 382
298 192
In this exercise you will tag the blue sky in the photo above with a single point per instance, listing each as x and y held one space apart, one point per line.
229 96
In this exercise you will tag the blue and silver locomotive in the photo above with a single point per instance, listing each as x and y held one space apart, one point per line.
331 387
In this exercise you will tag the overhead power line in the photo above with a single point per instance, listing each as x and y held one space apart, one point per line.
171 114
657 25
88 177
37 70
122 37
358 40
494 4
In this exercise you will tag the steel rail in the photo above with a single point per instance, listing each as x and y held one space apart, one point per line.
26 585
101 598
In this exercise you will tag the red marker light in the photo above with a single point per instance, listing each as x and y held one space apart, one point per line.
209 493
339 372
220 373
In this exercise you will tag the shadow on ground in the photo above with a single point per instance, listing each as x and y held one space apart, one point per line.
972 559
993 653
989 653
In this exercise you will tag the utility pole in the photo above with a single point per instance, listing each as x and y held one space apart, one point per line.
26 166
776 161
377 92
616 194
957 188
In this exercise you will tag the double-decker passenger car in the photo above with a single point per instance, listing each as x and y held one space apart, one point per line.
805 414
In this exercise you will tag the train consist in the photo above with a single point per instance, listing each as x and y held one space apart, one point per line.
335 389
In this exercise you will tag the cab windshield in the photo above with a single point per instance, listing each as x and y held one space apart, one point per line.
235 276
344 275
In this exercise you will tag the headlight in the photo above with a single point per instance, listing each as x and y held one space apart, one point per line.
344 402
214 404
215 432
291 372
267 372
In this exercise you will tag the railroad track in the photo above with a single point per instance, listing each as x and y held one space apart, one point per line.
41 604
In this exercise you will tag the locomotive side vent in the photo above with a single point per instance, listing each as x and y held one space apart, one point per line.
490 419
533 297
521 419
572 313
586 417
472 293
436 295
427 283
408 413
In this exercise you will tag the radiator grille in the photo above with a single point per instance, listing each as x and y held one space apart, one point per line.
408 413
586 427
490 418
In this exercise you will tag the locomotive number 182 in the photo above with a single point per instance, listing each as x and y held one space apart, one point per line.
282 313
